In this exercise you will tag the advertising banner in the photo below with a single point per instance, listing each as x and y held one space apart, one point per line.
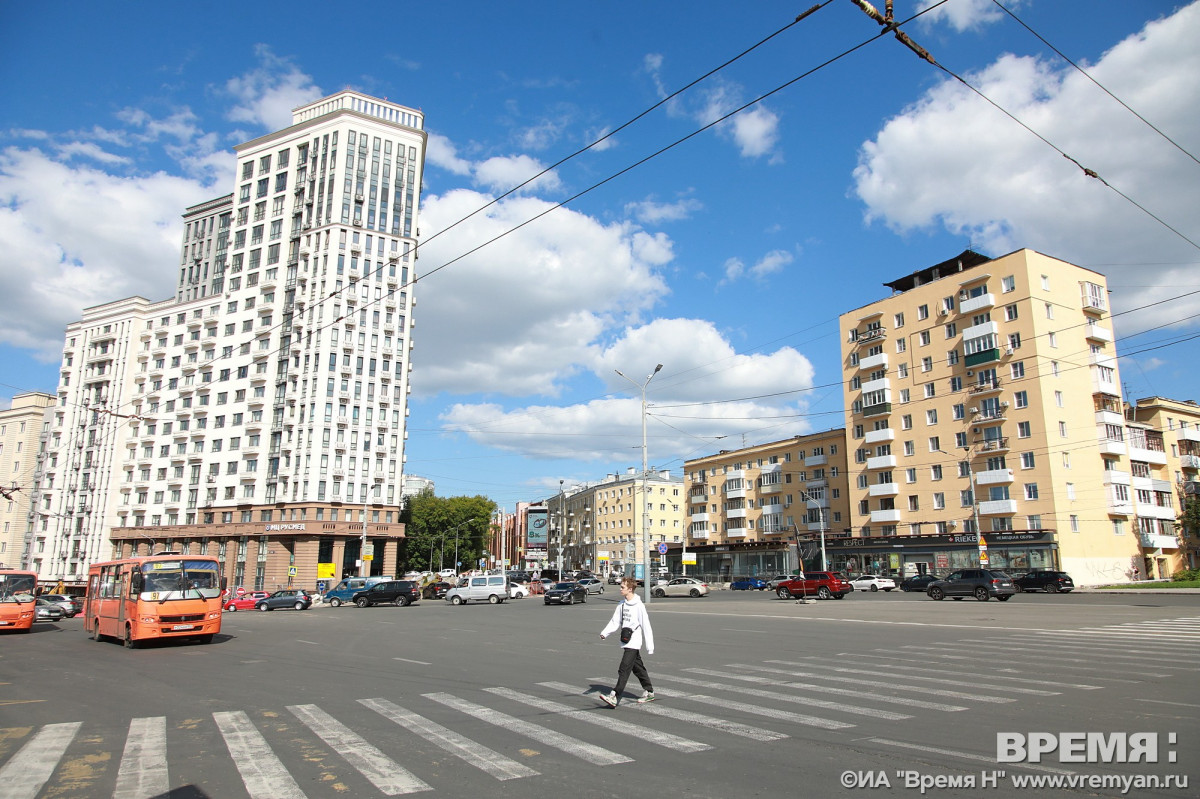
538 522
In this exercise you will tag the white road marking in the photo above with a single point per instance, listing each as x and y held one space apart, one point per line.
418 662
143 770
262 774
566 743
658 709
965 755
877 683
775 696
974 683
387 775
826 689
893 665
24 775
494 763
606 720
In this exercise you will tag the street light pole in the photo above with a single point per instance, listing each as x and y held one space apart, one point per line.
562 526
645 469
821 524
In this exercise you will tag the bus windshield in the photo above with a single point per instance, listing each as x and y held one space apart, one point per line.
180 579
17 587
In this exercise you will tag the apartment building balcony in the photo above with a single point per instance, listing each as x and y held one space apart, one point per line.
1155 456
701 516
739 533
879 436
994 445
701 536
698 494
1111 446
1152 511
775 507
985 388
1189 461
884 489
869 336
976 303
770 488
885 516
819 482
1190 488
994 477
1119 507
998 507
735 493
816 460
882 462
1189 434
1158 541
1110 417
876 410
878 361
1117 477
1096 332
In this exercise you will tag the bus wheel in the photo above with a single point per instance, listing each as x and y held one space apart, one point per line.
128 640
96 636
207 638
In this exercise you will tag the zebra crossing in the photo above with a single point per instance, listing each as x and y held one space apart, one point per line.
699 710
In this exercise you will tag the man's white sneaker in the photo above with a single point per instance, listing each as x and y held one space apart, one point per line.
648 696
609 699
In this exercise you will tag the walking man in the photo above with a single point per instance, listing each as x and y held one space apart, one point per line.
633 620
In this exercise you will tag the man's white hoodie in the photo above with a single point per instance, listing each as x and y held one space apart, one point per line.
632 613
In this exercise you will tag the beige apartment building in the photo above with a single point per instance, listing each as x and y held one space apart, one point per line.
602 527
983 397
761 510
1161 484
21 427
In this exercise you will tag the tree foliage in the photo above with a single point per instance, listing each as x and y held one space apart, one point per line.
433 524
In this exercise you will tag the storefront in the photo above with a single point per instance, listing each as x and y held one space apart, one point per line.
904 556
725 562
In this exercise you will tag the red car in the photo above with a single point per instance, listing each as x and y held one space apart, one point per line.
246 601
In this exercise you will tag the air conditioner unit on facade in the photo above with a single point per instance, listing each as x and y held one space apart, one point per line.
963 295
973 410
1008 350
942 312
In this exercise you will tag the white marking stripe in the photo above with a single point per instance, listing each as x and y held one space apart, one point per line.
566 743
968 673
877 683
389 777
771 713
846 670
774 696
418 662
24 775
732 727
1025 659
262 773
605 720
965 755
143 771
1094 655
825 689
494 763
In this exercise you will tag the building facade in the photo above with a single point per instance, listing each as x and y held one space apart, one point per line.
1161 483
267 399
764 510
983 397
21 428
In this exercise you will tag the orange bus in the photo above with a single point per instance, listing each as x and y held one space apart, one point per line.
18 592
160 596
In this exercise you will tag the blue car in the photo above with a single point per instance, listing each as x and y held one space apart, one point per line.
748 584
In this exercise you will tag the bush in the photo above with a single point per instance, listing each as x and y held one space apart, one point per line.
1186 575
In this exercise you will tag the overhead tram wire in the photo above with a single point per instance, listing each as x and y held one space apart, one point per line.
891 26
1101 86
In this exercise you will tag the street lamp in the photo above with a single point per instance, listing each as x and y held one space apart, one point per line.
645 468
562 526
821 523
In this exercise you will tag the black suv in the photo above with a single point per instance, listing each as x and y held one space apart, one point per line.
983 584
397 592
1046 580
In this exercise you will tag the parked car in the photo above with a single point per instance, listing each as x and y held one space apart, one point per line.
748 584
394 592
296 598
1048 580
47 611
345 590
773 583
565 594
518 577
918 582
822 585
447 574
246 601
983 584
69 604
681 586
490 587
614 578
436 590
517 591
872 582
591 585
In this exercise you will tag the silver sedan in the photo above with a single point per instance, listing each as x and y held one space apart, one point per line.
682 586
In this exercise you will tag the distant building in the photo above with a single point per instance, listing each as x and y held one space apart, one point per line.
259 414
21 428
1160 486
414 485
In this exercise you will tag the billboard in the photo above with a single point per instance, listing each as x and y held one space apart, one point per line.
537 526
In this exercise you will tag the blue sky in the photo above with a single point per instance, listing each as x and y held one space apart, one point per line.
727 258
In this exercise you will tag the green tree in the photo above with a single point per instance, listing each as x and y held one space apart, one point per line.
434 524
1189 529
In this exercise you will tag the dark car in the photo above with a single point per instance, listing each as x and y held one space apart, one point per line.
436 590
565 594
69 604
1052 582
918 582
296 598
983 584
517 577
395 592
748 584
47 611
614 578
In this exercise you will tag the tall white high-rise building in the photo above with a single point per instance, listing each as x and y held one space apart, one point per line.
259 414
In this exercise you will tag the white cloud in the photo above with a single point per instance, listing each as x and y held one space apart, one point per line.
699 365
266 96
952 161
771 263
501 173
964 15
651 212
522 314
441 152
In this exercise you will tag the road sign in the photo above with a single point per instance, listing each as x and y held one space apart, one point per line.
662 548
241 591
630 550
291 571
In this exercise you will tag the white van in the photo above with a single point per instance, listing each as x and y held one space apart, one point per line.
493 588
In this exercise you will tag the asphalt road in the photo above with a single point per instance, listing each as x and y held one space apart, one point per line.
756 697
